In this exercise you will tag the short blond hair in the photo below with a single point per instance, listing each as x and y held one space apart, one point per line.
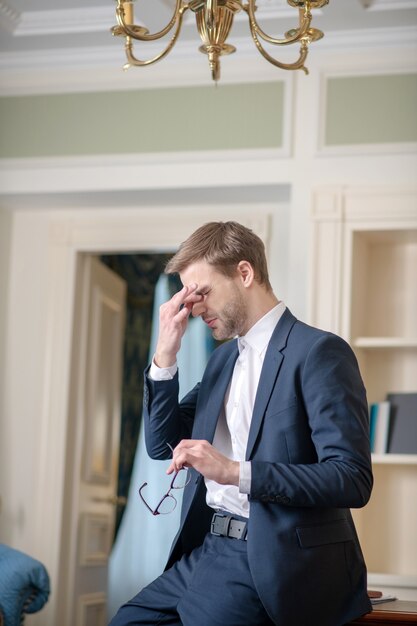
223 245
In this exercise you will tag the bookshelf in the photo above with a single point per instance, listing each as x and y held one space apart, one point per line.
364 288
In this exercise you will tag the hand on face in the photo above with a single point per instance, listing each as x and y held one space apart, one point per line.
173 319
201 455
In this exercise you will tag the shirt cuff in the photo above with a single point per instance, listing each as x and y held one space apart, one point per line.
245 476
162 373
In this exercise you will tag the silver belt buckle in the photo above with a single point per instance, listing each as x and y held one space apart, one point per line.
226 525
213 521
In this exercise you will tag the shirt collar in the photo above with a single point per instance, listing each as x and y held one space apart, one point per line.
260 334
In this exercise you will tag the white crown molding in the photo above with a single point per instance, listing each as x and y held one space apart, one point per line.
368 38
112 77
113 53
100 68
269 11
79 20
9 17
388 5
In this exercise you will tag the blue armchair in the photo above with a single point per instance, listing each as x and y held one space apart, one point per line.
24 586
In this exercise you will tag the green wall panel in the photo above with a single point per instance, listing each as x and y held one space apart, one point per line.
371 109
158 120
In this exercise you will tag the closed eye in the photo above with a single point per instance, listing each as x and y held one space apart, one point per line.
203 292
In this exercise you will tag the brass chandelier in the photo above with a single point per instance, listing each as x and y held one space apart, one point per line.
214 20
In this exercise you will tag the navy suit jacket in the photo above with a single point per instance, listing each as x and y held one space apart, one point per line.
309 449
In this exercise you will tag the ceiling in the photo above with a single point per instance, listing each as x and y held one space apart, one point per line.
46 29
66 45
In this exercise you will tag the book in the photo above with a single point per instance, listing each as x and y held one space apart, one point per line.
384 598
373 411
403 431
379 426
382 427
377 597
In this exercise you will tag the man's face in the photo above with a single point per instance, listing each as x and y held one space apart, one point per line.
223 306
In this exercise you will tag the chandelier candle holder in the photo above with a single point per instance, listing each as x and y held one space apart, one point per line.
214 19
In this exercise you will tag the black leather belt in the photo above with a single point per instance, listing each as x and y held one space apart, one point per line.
228 526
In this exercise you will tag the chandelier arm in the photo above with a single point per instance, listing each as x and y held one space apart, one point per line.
304 24
297 65
133 61
129 32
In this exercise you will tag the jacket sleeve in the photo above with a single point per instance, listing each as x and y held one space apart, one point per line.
338 473
165 419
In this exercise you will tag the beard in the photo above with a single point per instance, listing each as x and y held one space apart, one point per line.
232 319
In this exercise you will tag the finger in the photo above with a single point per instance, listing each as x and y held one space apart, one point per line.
193 298
183 313
180 297
176 466
190 443
171 468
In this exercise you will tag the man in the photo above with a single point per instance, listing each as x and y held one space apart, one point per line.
275 439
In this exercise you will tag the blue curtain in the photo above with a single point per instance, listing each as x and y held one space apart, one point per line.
143 541
141 273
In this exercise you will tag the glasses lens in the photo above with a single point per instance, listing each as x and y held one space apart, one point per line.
181 479
167 505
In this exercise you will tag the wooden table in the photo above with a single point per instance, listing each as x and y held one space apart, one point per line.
392 613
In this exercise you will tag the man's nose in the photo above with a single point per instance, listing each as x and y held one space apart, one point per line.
198 308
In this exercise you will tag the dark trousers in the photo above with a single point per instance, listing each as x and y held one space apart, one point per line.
210 587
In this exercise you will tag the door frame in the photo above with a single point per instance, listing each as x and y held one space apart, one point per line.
79 519
127 231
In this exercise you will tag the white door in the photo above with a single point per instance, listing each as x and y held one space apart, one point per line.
93 444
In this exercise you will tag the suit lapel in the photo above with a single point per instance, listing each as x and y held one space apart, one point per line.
215 400
270 370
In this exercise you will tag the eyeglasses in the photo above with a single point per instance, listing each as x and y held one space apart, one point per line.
168 502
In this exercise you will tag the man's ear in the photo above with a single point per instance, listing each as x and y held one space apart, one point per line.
245 273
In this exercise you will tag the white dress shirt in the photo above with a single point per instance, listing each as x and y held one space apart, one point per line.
232 430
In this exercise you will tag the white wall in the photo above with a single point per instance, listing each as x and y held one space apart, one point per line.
5 239
23 386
